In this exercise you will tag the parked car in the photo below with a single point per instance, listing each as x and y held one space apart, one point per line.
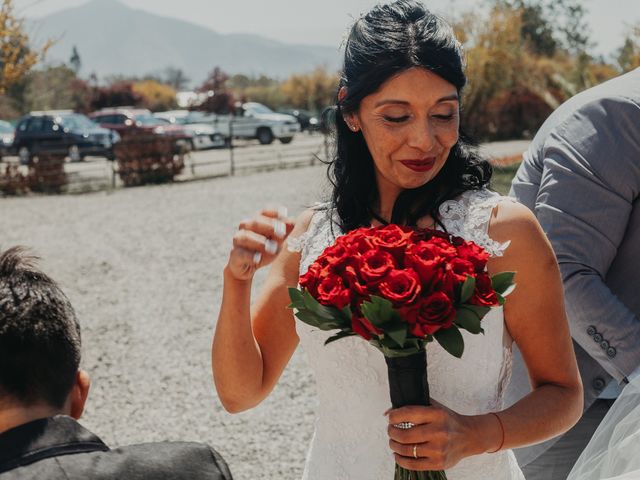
202 135
307 121
125 120
6 137
62 131
254 120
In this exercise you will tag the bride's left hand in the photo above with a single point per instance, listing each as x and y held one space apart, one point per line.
439 439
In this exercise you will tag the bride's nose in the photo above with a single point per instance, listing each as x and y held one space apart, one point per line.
422 136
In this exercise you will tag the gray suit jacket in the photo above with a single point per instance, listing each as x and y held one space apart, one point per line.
581 177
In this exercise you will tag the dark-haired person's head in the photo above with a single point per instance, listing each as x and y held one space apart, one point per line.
39 345
398 121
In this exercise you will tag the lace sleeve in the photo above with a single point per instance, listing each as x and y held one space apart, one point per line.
297 244
469 216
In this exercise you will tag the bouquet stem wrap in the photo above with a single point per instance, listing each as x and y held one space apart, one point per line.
408 386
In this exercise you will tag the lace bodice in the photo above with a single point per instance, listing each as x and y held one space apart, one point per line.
350 440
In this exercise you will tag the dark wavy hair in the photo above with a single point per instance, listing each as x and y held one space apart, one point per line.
386 41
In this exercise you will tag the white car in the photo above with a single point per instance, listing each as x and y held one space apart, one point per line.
6 137
202 135
258 121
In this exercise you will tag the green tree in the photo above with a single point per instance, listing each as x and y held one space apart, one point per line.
628 56
75 61
50 89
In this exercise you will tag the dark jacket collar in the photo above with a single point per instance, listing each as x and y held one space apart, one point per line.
45 438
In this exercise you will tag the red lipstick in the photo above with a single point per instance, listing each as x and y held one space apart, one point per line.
420 165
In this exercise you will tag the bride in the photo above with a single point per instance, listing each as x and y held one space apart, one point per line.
401 159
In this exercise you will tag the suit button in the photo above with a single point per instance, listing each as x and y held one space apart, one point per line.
598 384
611 352
604 344
597 338
591 331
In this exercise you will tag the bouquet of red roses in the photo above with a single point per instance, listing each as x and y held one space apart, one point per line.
400 288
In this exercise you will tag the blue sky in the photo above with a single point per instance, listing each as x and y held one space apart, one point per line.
324 22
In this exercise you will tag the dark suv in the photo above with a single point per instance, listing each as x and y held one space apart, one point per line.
62 132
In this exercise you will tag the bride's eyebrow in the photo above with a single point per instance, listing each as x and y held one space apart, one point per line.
391 101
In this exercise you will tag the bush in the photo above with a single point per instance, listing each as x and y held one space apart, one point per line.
146 158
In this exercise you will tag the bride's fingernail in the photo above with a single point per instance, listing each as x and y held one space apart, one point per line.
270 246
257 258
279 229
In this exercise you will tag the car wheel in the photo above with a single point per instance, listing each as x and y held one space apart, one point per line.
24 154
74 154
265 137
286 140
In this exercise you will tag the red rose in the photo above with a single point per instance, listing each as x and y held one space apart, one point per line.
331 291
364 327
354 281
430 314
375 264
310 280
392 238
402 287
484 294
474 254
334 254
443 247
426 261
357 241
461 268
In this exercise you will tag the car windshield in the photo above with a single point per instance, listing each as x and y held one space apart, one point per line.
258 108
5 127
146 119
76 122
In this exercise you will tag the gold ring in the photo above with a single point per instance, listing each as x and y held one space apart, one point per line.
415 451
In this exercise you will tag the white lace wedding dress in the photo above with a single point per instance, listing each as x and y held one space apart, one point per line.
350 440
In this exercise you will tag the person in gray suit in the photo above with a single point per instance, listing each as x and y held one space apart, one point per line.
581 178
43 392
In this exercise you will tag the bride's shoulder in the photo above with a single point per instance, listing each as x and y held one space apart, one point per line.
513 222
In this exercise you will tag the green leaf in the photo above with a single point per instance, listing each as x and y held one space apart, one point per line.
397 332
479 310
378 311
309 318
338 336
468 287
296 298
321 310
469 320
451 340
502 281
501 299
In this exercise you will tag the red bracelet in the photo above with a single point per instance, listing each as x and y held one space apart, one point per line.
501 428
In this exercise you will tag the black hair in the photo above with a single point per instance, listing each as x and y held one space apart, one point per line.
39 334
386 41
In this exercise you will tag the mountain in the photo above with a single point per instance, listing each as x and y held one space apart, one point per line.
113 39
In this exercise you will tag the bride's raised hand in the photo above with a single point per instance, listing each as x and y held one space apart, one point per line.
439 439
258 241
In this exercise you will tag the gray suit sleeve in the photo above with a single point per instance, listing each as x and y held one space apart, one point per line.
590 178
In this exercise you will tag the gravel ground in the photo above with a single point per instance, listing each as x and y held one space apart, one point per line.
143 268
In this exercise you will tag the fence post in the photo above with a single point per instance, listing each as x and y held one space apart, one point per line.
232 169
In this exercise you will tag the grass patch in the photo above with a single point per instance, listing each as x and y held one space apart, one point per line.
502 176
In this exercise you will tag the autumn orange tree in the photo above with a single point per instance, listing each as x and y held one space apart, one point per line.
17 57
312 91
523 63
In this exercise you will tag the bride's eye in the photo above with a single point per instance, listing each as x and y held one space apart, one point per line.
401 119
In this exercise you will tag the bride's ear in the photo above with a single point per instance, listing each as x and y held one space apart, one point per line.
349 118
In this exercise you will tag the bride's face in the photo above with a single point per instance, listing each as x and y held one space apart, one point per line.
410 125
